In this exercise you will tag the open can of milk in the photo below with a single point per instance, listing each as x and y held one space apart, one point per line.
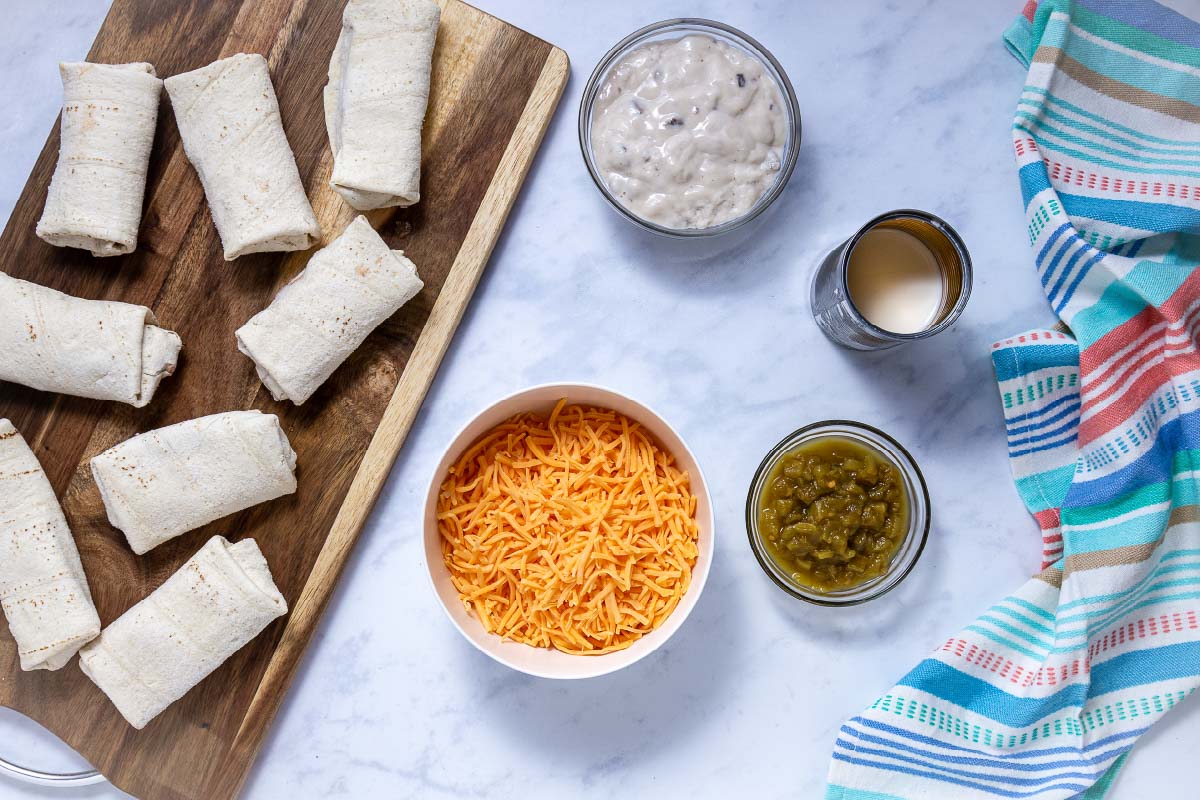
905 275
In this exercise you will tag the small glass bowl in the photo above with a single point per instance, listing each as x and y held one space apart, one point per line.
677 28
918 519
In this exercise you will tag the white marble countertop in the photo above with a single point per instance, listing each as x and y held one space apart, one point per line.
904 104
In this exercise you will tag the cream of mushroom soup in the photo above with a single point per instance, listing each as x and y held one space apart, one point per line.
689 132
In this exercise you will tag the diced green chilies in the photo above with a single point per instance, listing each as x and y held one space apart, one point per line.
833 513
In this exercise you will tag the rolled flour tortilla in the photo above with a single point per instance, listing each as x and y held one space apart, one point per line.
325 313
228 118
155 652
376 98
165 482
101 349
95 197
43 589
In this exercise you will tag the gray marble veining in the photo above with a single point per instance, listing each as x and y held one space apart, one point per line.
904 104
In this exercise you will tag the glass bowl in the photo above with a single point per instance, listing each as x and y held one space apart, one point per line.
918 519
673 29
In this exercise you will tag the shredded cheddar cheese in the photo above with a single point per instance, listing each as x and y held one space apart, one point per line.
574 531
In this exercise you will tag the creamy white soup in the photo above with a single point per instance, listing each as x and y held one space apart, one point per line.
690 132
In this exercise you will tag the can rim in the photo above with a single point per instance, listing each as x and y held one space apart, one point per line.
956 242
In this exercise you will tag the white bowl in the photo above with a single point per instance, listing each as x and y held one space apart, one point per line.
543 662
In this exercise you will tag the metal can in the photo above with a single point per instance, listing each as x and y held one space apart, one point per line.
842 322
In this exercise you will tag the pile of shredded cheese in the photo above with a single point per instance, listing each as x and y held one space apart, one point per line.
576 531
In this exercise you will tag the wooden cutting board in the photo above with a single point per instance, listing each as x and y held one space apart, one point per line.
494 91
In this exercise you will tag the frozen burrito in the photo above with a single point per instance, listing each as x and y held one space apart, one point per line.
43 589
325 313
165 482
375 100
155 652
101 349
95 197
228 118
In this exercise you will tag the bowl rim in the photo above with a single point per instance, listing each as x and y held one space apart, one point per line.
884 583
677 617
756 48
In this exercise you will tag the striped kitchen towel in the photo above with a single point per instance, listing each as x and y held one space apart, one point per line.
1044 694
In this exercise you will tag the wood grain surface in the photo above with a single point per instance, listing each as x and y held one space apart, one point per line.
494 91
